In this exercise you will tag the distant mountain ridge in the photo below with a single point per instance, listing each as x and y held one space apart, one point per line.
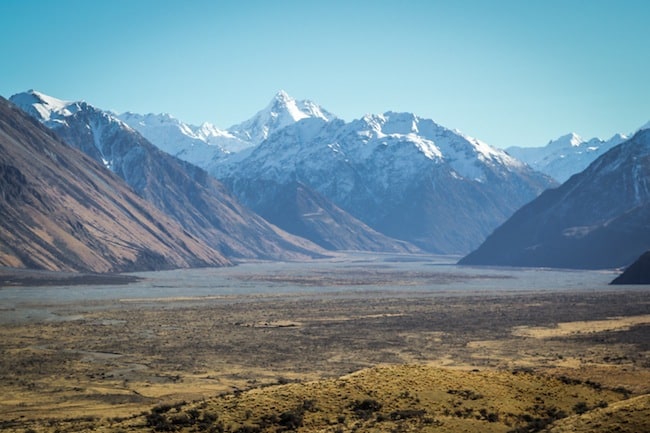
597 219
62 211
565 156
183 191
398 192
363 183
195 144
205 145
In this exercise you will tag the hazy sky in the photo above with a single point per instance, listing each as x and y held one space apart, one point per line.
507 72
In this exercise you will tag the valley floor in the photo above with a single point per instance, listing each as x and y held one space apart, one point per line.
104 363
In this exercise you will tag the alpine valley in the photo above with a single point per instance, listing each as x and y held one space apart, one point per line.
406 177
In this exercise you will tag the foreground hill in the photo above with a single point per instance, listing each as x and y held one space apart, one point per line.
398 398
597 219
60 210
181 190
388 399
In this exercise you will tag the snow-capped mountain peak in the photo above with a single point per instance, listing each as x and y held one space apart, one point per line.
400 123
55 113
47 109
207 144
567 141
282 111
207 130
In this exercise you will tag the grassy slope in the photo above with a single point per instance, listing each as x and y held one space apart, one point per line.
387 399
628 416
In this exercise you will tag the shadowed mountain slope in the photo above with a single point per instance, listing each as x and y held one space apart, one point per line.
597 219
297 208
637 273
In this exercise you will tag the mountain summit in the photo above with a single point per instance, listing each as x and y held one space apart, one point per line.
206 145
49 110
282 111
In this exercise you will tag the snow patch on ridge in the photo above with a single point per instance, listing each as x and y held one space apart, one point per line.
47 109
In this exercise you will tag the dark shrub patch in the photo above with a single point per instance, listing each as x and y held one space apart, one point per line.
407 413
365 408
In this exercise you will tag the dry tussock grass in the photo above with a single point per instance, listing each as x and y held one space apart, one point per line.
109 366
381 399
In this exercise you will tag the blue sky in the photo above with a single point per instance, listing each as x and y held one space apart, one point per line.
507 72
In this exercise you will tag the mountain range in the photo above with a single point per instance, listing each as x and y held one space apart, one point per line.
61 210
186 193
596 219
294 181
406 177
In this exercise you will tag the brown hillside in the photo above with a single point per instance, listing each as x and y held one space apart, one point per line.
60 210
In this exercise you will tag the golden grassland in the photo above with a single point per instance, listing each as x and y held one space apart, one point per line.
339 362
390 398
